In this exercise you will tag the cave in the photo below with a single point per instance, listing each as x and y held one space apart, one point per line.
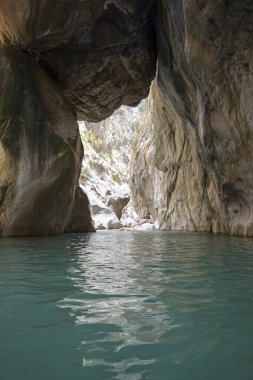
67 61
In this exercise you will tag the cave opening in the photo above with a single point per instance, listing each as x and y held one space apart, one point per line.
107 168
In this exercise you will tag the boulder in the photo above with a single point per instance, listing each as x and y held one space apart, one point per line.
106 219
118 204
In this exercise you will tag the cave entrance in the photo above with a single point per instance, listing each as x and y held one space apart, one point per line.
106 168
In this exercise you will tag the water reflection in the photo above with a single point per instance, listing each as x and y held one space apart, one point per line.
134 290
126 306
118 295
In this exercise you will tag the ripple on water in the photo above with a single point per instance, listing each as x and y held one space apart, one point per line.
126 305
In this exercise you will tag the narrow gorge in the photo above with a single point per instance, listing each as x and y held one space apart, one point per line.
132 119
63 61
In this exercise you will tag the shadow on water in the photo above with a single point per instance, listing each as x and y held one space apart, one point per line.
126 305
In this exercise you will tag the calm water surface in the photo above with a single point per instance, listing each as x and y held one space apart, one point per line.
128 306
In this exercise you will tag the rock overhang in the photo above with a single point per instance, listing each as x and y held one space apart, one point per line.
100 53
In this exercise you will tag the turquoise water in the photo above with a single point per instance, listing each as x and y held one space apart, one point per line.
128 306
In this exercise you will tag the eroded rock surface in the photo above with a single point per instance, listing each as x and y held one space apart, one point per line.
105 170
60 59
40 149
101 53
193 169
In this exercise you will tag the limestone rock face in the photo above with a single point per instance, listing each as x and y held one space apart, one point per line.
193 169
80 219
101 53
60 59
105 170
40 149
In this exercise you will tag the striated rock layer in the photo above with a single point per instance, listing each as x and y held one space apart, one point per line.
194 166
60 59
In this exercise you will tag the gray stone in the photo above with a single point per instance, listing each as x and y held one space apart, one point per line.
80 219
193 164
101 54
40 149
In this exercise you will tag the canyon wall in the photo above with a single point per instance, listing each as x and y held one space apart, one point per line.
67 59
62 60
193 164
40 149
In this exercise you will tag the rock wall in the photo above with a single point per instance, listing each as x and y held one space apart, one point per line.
193 169
40 150
101 53
60 59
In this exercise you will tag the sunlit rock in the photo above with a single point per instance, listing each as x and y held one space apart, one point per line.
193 163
